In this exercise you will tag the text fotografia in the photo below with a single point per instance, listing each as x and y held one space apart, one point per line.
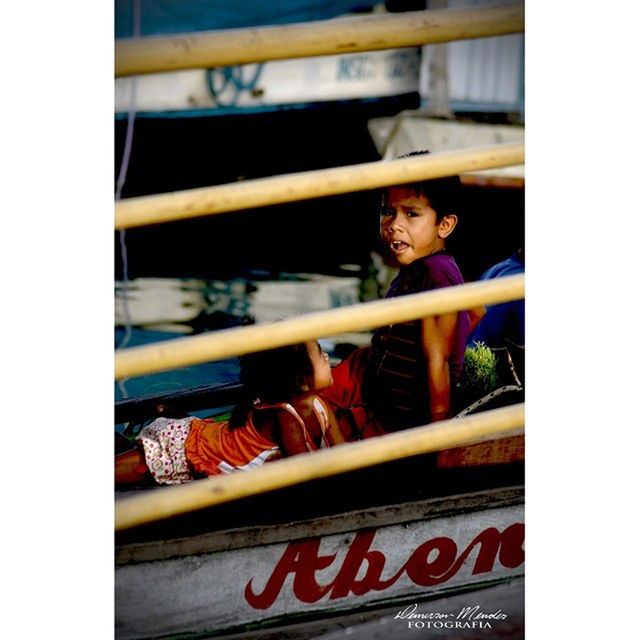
466 618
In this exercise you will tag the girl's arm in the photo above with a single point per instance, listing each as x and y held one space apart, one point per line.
334 433
289 434
438 334
294 438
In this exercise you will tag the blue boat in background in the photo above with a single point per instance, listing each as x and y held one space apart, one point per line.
256 88
176 16
484 76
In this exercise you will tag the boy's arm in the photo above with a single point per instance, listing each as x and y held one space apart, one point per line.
438 334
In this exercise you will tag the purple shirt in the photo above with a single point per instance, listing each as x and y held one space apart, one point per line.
400 374
434 272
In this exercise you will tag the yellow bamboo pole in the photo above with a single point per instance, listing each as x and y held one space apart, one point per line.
226 343
325 37
157 505
192 203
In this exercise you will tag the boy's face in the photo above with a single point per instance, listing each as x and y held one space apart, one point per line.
408 225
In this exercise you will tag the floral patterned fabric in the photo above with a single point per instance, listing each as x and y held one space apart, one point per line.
163 442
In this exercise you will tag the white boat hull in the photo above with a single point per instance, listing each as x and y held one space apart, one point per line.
225 581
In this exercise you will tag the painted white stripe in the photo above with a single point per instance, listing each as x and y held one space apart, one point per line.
258 461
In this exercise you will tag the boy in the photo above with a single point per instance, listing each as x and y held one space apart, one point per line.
407 375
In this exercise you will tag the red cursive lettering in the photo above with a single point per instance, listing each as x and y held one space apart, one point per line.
433 562
426 573
359 552
303 560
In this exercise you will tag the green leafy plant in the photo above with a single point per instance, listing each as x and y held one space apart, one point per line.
480 370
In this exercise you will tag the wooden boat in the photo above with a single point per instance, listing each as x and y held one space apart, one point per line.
370 543
237 579
432 539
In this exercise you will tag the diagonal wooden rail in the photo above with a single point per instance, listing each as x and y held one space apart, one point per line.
326 37
170 501
191 203
226 343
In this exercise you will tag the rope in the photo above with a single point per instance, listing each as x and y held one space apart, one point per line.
122 177
486 399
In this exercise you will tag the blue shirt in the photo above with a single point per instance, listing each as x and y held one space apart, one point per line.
502 322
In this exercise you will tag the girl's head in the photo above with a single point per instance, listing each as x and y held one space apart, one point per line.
278 375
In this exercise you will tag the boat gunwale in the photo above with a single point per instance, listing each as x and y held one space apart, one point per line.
261 535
